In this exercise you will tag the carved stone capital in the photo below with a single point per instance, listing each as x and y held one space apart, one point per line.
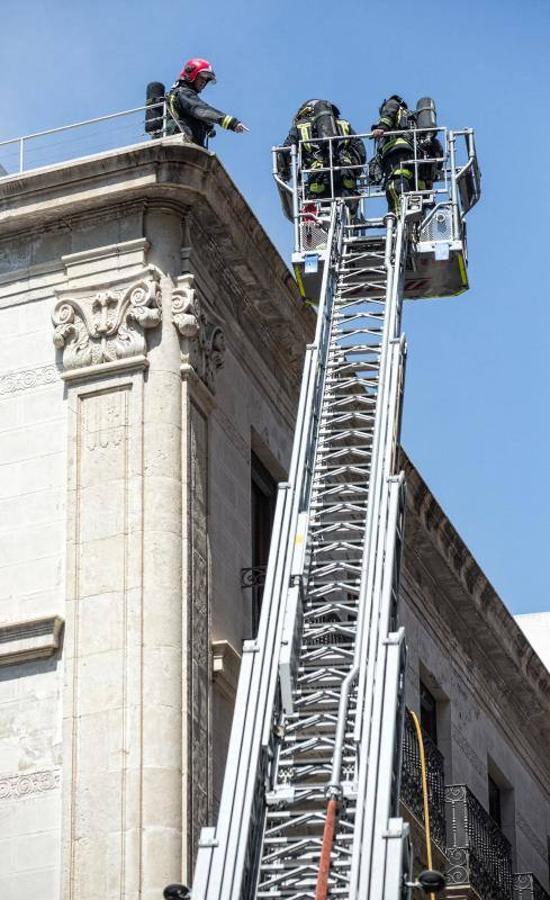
109 325
202 340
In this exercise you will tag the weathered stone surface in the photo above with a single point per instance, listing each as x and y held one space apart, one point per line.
108 326
125 509
34 639
162 287
493 692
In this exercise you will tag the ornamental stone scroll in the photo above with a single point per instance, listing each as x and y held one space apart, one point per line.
108 326
203 341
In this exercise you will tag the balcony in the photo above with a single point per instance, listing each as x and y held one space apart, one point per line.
480 856
411 782
526 887
253 580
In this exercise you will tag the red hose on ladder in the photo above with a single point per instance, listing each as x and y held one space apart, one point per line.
321 890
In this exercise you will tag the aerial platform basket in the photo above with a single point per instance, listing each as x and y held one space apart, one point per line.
437 260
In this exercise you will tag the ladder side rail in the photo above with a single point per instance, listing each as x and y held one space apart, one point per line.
207 845
399 859
255 694
334 786
381 461
294 607
398 413
388 829
308 422
381 775
253 708
306 444
368 643
364 614
379 758
208 875
382 604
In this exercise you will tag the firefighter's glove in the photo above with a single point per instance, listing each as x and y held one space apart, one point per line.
378 133
233 124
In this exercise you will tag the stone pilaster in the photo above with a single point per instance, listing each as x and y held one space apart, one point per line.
165 828
202 349
123 695
103 695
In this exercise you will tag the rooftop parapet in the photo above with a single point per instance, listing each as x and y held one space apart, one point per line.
79 139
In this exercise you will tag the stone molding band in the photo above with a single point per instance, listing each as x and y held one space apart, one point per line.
16 787
26 379
34 639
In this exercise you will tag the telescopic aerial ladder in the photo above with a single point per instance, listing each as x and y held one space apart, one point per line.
309 807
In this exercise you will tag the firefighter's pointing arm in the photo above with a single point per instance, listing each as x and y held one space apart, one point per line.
196 118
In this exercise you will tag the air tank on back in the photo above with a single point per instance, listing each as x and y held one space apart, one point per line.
325 120
154 114
426 114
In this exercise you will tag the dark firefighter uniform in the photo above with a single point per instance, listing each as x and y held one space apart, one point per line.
397 152
196 118
317 119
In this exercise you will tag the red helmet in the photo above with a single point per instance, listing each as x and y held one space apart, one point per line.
197 66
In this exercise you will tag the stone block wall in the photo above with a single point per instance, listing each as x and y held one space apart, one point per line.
492 691
151 340
33 456
143 312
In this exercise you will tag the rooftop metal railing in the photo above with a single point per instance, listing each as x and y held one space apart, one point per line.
86 138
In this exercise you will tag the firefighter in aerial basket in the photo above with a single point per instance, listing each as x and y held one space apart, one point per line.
397 153
314 124
188 113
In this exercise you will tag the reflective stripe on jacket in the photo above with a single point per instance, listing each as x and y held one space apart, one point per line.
196 118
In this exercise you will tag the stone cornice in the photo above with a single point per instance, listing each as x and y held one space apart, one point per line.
33 639
479 617
184 177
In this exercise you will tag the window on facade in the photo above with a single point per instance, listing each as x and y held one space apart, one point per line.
495 802
263 491
428 712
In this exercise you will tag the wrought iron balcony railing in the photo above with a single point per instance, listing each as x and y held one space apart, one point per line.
254 579
527 887
478 852
411 781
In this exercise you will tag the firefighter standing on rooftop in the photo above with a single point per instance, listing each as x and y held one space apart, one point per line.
195 118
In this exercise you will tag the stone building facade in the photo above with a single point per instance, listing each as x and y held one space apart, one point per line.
150 357
483 695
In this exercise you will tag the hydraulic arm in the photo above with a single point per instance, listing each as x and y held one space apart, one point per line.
310 801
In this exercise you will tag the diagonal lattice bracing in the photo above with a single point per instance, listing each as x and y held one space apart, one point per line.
341 474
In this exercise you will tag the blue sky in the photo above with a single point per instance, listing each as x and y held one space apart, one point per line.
477 399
